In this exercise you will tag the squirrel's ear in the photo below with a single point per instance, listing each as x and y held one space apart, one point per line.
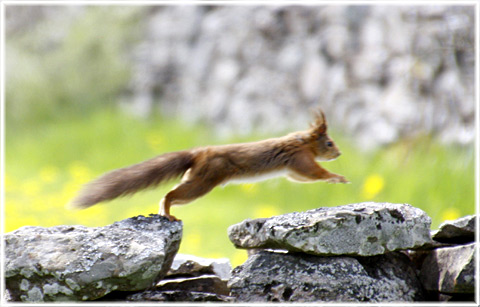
320 124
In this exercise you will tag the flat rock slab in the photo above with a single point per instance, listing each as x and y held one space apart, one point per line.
458 231
204 283
277 277
82 263
364 229
450 270
177 296
188 265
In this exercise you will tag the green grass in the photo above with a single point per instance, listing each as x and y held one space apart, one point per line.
47 164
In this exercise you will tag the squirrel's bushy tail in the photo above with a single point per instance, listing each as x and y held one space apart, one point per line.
133 178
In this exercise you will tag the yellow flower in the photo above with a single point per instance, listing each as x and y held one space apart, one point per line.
31 187
193 241
15 216
155 140
9 183
12 224
49 174
265 211
239 257
70 189
450 214
93 216
80 172
249 188
372 186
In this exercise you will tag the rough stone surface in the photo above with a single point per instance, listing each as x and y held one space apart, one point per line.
189 279
363 229
450 270
178 296
380 72
459 231
204 283
276 277
82 263
271 62
189 265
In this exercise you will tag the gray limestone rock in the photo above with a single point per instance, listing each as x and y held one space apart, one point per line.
459 231
204 283
276 277
80 263
450 270
189 265
178 296
363 229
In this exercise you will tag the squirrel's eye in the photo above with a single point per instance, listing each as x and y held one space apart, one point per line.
329 143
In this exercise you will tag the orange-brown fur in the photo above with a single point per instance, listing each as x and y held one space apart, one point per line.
204 168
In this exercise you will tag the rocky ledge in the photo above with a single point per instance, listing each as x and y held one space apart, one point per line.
71 263
294 277
367 252
364 229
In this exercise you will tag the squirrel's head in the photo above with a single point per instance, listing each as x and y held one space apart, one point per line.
323 146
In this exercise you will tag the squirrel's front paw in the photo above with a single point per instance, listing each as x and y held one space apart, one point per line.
338 179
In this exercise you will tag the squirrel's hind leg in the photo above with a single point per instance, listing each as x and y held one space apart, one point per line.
165 210
184 193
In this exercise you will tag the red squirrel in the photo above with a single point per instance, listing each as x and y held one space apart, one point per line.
202 169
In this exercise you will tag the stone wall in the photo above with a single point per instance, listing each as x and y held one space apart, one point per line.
367 252
379 72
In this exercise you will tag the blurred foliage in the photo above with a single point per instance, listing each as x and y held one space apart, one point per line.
47 166
87 67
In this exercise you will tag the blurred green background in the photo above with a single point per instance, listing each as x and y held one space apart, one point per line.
65 126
